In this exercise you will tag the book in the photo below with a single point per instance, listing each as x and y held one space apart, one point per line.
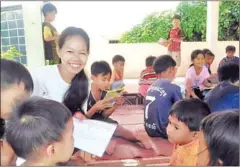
112 95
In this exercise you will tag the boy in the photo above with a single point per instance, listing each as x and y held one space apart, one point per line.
209 58
16 85
50 34
225 95
175 36
183 128
230 51
147 76
39 130
116 81
161 95
98 108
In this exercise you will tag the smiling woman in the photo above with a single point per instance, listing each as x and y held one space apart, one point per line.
61 82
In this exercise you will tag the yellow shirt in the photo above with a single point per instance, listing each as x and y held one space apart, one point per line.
185 155
48 33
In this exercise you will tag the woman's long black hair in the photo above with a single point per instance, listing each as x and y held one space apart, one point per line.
77 93
221 132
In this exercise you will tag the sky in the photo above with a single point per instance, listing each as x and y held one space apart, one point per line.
103 18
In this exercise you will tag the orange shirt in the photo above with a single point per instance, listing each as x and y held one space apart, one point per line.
185 155
117 76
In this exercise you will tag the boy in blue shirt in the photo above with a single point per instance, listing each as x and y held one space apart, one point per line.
161 95
225 95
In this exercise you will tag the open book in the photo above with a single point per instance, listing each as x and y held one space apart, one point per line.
112 95
92 136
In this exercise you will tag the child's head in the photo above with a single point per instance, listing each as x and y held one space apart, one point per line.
209 57
164 66
16 85
149 61
229 72
101 74
219 139
73 49
176 21
205 51
8 157
118 62
40 131
230 51
49 11
184 120
197 58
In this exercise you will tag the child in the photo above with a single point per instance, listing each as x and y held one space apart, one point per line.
219 140
147 76
225 95
197 76
175 36
41 131
161 95
98 107
209 58
16 85
230 51
183 128
118 62
50 34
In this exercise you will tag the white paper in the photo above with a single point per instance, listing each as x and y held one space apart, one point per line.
92 136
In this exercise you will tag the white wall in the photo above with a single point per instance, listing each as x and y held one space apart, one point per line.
135 55
33 33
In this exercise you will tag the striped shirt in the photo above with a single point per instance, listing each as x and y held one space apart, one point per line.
147 76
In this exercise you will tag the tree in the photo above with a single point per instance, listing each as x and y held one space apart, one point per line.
194 18
153 26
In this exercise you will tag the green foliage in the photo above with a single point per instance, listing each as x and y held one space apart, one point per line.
193 22
229 16
153 26
10 53
193 19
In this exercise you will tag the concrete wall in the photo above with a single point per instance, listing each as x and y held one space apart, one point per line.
135 55
33 33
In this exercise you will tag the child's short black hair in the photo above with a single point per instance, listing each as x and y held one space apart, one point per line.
100 67
35 123
149 61
162 63
209 53
191 112
48 7
117 58
205 51
221 132
229 71
230 48
13 72
176 16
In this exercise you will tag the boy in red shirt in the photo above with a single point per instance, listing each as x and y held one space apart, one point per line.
173 43
147 76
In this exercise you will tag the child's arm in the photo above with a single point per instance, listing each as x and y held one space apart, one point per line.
109 111
48 35
100 105
206 76
112 77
